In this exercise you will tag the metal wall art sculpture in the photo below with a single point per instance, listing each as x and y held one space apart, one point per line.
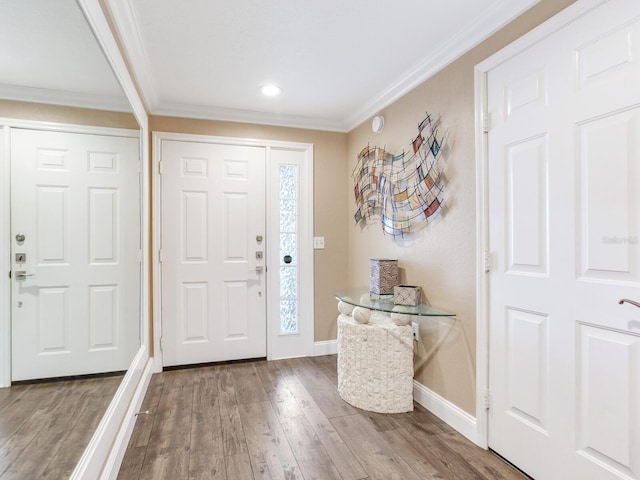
405 191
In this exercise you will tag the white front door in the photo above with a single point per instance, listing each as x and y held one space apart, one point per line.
564 214
75 253
213 252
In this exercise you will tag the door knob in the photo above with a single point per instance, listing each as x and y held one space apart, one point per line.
259 269
626 300
20 237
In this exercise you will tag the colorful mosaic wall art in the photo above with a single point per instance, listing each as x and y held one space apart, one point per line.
405 191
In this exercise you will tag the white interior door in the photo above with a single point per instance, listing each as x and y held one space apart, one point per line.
75 253
564 208
213 252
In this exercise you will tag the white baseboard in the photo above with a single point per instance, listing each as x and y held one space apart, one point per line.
114 461
102 457
446 411
327 347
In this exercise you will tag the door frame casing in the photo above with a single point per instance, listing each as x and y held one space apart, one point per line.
306 231
483 255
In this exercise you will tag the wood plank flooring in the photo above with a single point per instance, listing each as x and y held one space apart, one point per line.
285 420
45 427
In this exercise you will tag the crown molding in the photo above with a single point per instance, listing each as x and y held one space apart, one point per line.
249 116
126 24
495 17
62 97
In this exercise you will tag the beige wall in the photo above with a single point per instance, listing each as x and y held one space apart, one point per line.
330 200
60 114
442 257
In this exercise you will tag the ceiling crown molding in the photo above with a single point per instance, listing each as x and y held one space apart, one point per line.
495 17
66 98
249 116
125 20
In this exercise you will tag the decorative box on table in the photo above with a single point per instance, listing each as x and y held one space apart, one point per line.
406 295
383 276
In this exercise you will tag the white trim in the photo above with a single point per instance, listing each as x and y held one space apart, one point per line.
542 31
249 116
306 293
106 446
5 259
127 26
100 27
69 128
482 245
446 411
112 464
61 97
495 15
156 233
326 347
481 70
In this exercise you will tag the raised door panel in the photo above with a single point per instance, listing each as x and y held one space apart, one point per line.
527 207
608 395
528 368
609 204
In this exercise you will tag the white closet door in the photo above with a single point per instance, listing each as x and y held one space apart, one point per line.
564 163
75 238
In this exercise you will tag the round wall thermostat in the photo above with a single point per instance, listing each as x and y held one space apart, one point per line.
377 125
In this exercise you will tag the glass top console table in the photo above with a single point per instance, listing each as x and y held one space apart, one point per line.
375 350
361 297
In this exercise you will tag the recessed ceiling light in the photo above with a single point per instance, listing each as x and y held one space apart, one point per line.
270 90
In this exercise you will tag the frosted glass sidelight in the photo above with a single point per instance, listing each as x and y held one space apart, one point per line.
288 316
288 214
288 246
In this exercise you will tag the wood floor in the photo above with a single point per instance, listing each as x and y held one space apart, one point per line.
284 420
45 427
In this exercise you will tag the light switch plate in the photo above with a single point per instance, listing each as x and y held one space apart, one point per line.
318 243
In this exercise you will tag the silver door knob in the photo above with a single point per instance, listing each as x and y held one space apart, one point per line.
259 269
20 237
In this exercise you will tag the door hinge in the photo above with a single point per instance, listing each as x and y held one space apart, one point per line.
161 343
160 256
486 121
160 168
487 399
9 273
487 261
